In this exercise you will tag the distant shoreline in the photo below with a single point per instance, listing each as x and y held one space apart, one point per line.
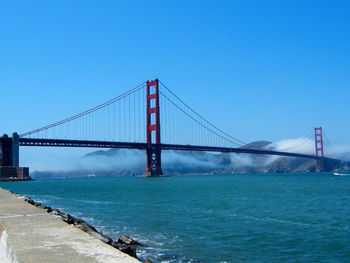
172 174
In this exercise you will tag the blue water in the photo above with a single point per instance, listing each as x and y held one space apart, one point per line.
212 218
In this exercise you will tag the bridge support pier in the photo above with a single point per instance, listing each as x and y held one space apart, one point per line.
154 167
5 151
9 160
9 150
154 160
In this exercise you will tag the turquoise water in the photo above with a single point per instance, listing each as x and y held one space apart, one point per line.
212 218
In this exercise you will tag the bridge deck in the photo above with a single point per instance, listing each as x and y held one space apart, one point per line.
143 146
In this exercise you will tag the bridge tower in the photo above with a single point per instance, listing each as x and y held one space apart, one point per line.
319 148
154 161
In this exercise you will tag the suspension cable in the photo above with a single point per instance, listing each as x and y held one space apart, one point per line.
212 125
86 112
299 143
201 124
324 133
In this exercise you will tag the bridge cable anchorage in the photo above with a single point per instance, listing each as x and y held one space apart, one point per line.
300 142
238 142
201 124
84 113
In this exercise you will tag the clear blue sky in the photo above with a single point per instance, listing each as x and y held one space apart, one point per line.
260 70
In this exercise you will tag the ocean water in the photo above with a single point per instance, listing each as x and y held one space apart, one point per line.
212 218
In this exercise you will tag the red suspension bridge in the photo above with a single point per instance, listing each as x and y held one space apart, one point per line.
133 121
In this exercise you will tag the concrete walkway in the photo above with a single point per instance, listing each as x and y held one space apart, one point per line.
30 235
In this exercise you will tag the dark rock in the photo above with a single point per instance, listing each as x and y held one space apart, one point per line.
67 218
128 241
81 224
37 204
130 250
30 201
114 244
127 245
56 212
48 209
78 221
40 205
103 238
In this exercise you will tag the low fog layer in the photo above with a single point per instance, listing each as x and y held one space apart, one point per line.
133 162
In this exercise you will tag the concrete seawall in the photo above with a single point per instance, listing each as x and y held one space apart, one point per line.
30 235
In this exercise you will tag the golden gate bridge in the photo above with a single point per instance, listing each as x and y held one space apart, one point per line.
134 120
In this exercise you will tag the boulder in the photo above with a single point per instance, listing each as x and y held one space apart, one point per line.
48 209
128 241
56 212
130 250
67 218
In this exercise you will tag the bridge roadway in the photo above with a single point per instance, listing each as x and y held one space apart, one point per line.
143 146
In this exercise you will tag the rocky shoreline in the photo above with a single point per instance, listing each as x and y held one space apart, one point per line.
124 243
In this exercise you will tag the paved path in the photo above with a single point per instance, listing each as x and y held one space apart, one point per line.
30 235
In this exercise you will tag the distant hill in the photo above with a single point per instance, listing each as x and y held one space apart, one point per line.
122 162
